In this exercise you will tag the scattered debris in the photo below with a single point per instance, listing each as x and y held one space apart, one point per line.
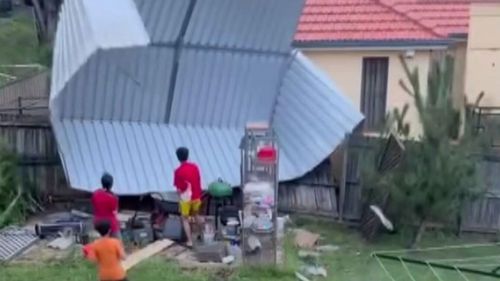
214 252
305 239
174 251
308 254
81 214
193 264
253 243
228 260
328 248
314 271
61 243
383 219
301 277
54 228
125 216
14 241
146 253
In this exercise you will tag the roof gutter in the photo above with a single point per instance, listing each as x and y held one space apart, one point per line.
372 45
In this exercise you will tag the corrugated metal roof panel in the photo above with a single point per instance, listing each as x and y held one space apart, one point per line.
114 23
257 25
225 89
311 118
163 19
110 106
88 25
129 84
72 46
90 148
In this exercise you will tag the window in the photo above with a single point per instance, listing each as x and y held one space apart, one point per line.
374 92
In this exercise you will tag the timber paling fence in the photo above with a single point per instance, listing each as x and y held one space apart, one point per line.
37 157
334 189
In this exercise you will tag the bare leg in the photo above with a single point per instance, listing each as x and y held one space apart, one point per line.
187 230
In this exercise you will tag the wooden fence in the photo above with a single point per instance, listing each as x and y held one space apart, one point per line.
314 194
25 130
333 189
28 96
483 214
37 155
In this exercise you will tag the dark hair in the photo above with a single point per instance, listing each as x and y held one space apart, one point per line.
107 181
103 227
182 154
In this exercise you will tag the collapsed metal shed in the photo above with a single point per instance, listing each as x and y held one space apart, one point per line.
133 80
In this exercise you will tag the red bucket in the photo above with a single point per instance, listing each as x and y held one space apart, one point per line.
267 154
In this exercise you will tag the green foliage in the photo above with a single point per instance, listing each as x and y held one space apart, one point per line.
19 46
12 198
439 169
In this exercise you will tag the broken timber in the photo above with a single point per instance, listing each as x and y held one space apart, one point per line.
146 253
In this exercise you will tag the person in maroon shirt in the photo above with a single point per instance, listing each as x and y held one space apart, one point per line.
187 181
105 205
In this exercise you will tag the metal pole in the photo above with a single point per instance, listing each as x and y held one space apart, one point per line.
343 181
20 105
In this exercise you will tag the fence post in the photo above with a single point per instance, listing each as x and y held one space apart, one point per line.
20 105
343 181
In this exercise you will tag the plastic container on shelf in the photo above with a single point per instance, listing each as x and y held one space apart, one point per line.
220 188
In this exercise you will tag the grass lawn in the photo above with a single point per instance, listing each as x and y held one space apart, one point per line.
351 263
18 44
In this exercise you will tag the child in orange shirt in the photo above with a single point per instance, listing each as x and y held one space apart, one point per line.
108 253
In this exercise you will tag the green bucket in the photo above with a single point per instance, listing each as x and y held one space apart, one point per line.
220 189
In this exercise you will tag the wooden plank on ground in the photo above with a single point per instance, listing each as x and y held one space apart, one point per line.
174 251
146 252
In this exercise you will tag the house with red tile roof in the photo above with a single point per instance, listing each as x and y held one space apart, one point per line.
358 43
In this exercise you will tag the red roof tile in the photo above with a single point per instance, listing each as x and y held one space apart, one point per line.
382 20
445 17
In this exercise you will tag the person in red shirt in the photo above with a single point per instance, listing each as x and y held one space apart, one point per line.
187 181
105 205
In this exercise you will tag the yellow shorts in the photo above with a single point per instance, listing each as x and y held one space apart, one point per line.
190 208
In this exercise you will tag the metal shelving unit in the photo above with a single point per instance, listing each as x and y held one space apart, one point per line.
259 181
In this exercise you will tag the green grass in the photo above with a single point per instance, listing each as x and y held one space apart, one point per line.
354 262
18 45
351 263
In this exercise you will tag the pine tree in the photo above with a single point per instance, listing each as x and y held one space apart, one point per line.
438 171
